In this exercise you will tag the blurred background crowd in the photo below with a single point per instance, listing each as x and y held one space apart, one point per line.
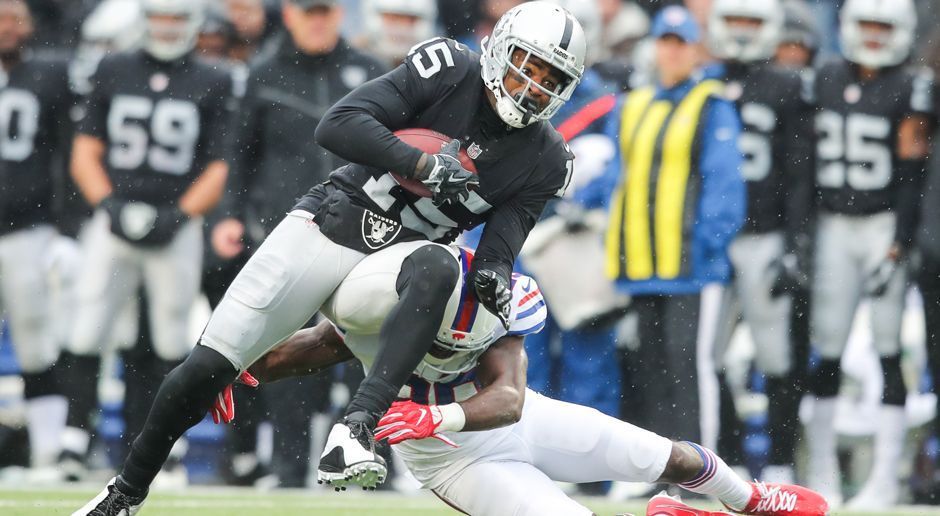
747 344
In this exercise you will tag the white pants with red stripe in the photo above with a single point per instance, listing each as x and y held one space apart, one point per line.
554 441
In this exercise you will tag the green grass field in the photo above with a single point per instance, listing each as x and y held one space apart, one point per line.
247 502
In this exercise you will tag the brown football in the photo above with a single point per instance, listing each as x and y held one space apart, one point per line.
430 142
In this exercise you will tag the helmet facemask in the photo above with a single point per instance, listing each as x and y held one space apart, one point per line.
172 28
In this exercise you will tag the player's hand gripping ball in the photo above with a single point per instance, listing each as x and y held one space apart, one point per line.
450 173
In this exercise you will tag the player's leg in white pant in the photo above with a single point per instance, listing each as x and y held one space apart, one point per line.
882 490
110 276
171 277
768 318
837 289
507 488
571 443
25 287
280 288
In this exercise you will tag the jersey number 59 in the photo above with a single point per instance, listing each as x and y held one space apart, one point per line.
171 125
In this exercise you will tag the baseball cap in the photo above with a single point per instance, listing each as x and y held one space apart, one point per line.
678 21
309 4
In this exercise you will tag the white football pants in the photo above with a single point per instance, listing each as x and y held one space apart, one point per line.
554 441
281 287
848 249
25 296
767 317
113 272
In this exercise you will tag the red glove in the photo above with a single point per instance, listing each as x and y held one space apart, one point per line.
409 420
223 410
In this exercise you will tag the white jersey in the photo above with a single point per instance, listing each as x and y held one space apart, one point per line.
362 302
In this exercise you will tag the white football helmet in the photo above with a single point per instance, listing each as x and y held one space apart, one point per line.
543 30
113 26
392 43
589 16
168 41
894 48
745 45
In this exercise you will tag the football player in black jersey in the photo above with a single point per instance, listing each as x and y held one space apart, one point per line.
34 100
872 120
497 106
148 155
770 253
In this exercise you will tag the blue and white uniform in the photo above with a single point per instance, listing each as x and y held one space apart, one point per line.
508 470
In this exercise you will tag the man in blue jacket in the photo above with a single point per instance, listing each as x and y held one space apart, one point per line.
678 199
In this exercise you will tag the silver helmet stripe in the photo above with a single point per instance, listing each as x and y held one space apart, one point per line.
566 35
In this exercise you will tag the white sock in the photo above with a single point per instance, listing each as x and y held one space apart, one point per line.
75 440
889 444
821 437
45 417
717 479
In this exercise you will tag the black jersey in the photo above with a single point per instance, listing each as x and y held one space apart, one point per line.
34 120
776 141
439 87
856 126
162 122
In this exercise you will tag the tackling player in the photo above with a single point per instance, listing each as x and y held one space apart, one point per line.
872 123
469 429
496 105
770 254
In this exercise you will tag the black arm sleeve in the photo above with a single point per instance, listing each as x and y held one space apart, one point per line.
909 188
800 170
244 142
507 229
359 127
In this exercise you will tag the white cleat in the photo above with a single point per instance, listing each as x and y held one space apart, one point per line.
349 458
111 502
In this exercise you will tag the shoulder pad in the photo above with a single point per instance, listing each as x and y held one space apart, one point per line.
443 60
528 307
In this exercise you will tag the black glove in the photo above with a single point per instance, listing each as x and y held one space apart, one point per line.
878 280
789 277
494 294
141 223
445 176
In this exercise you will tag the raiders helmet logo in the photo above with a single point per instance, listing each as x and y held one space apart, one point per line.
378 231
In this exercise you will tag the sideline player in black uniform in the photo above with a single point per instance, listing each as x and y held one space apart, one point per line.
872 123
34 104
770 254
148 156
498 106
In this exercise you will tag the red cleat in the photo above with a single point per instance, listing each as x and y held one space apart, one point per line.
665 505
785 500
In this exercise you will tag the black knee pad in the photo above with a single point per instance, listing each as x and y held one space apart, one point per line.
894 391
826 378
36 385
205 369
430 269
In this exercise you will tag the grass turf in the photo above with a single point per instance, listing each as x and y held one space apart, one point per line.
248 502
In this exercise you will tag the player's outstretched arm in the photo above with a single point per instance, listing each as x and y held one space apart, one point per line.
307 351
502 372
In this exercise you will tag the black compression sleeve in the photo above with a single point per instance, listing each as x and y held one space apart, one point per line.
504 234
907 200
359 127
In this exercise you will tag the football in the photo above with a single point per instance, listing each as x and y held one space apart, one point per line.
430 142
